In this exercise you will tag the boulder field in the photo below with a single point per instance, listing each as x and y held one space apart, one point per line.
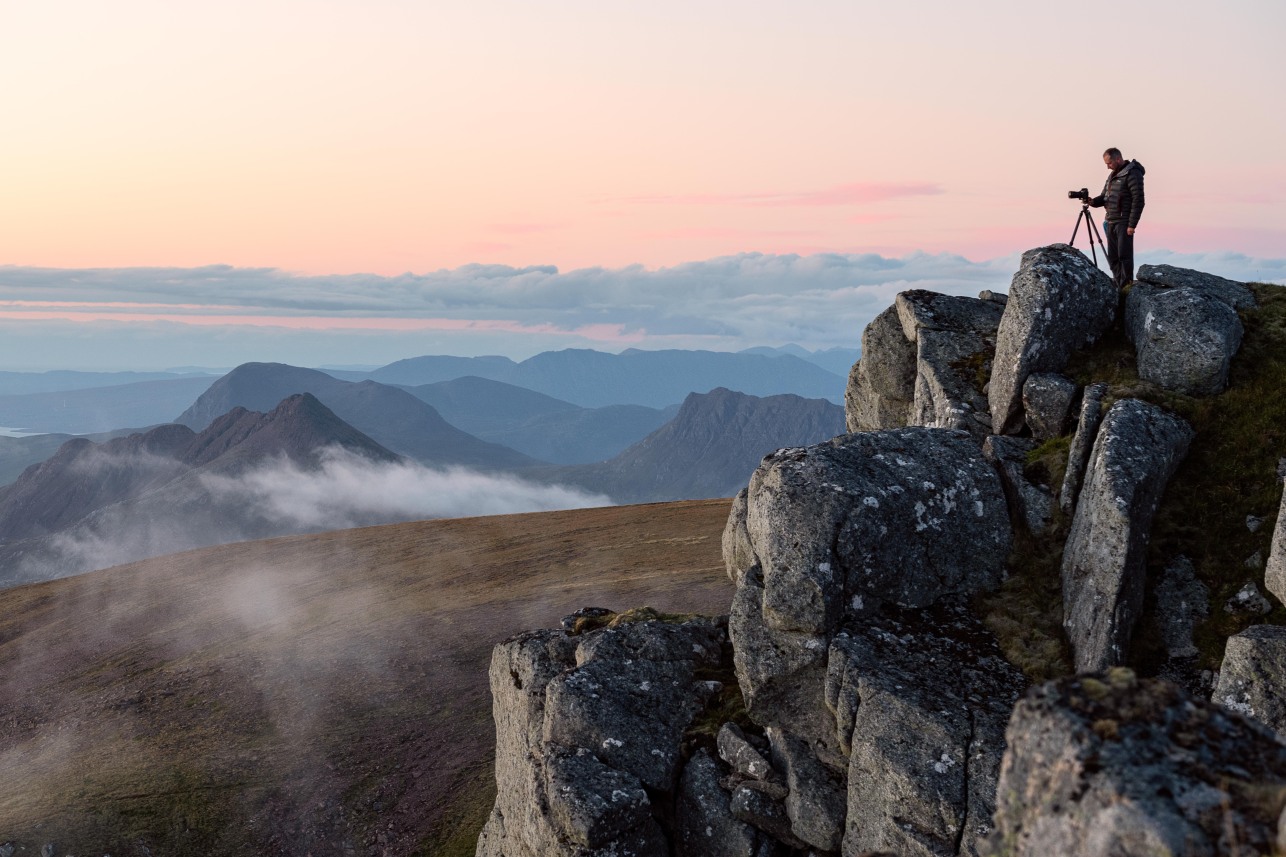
855 700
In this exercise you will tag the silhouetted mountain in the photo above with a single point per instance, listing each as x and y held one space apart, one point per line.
92 505
59 380
709 449
433 368
538 425
652 378
101 409
391 416
299 428
836 360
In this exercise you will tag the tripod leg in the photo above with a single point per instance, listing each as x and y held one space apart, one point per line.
1100 240
1072 243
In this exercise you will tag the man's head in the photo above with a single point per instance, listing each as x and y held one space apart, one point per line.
1113 159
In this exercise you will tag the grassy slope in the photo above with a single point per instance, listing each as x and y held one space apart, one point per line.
1230 472
300 695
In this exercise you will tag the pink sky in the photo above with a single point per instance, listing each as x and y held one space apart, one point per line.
385 136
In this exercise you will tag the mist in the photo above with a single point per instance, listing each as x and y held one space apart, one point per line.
275 498
351 491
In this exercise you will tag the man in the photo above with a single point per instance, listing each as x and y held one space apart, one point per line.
1122 196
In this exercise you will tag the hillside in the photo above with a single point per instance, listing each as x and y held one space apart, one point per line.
319 695
19 453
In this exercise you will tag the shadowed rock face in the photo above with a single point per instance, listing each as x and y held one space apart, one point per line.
907 516
1275 571
589 731
1252 679
881 385
1047 400
921 700
1058 303
1078 454
1030 505
1185 339
1138 448
705 825
919 364
1108 764
1182 602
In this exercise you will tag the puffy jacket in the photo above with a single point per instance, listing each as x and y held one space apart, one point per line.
1122 194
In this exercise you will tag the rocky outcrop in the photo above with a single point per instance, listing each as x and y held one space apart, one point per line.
1252 680
1138 448
589 731
1078 454
1234 294
849 639
877 705
920 699
1275 571
1184 338
905 517
1110 765
930 375
881 385
1059 302
950 334
705 824
1029 504
1047 401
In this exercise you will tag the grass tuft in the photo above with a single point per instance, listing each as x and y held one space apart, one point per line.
1026 613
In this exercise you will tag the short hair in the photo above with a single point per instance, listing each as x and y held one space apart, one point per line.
1112 152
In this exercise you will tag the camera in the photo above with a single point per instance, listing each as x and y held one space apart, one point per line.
1083 194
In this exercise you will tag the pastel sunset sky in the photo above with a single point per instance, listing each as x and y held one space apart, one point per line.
337 182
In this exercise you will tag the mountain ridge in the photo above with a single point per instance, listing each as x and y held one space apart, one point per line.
146 494
391 416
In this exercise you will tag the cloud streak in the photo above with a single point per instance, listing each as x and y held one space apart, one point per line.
726 303
854 193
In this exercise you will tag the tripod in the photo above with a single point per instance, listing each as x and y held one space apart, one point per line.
1089 225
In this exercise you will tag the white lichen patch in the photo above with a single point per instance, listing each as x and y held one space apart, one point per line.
1231 703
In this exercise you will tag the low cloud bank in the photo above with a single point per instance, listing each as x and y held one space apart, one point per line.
279 498
351 491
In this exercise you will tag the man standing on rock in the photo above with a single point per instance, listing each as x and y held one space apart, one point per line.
1122 196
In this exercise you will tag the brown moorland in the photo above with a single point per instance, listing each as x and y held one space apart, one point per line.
309 695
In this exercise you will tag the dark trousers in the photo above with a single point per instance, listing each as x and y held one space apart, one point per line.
1120 252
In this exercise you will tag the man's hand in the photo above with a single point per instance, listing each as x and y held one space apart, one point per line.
1129 230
